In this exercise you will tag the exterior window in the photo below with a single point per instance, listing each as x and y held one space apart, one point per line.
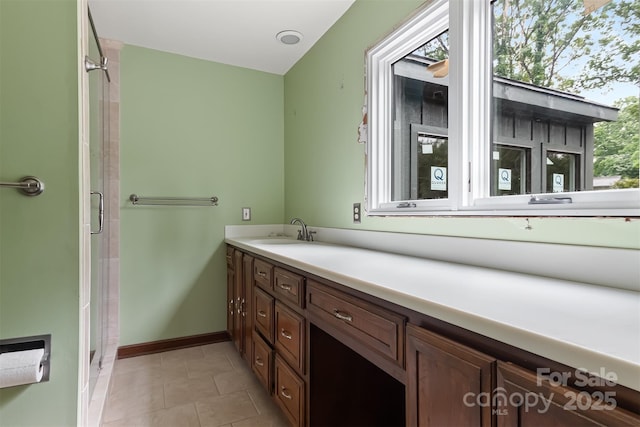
511 170
562 172
420 121
431 159
506 108
562 87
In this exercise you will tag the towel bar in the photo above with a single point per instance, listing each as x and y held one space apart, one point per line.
174 201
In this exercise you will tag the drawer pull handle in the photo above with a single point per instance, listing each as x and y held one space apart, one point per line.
259 362
262 274
285 394
262 314
342 316
284 287
231 306
286 334
239 306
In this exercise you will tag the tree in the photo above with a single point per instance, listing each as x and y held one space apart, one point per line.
616 58
436 49
543 41
556 44
617 144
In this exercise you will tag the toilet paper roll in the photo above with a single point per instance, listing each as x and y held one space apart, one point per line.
21 367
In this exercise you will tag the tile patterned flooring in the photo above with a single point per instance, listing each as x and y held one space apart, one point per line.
207 386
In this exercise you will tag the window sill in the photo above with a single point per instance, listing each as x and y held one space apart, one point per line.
614 203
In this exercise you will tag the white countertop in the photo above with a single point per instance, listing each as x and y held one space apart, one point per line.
595 328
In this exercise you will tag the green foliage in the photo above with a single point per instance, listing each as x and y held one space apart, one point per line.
617 144
616 57
627 183
436 48
538 41
535 39
552 43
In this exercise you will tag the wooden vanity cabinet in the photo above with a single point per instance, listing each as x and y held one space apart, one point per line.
290 336
263 274
276 339
444 380
231 280
289 392
263 308
450 384
529 400
239 296
239 302
288 286
262 361
246 306
313 354
378 329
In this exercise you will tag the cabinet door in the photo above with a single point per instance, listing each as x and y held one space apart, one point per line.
529 401
443 380
238 321
231 280
247 305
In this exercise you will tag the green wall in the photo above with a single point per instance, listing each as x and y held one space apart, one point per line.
191 128
325 166
39 236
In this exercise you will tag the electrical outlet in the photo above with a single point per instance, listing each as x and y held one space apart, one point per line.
357 213
246 214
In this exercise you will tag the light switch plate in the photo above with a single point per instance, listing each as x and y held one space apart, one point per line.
246 214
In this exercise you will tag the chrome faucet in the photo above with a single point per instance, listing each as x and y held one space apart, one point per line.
303 233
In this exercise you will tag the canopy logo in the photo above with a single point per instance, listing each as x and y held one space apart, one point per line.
500 400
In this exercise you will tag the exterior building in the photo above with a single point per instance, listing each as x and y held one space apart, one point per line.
543 138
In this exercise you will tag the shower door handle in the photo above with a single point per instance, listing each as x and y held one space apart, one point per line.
100 212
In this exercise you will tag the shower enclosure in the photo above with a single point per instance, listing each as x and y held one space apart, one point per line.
99 82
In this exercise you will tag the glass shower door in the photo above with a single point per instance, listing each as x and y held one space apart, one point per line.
98 136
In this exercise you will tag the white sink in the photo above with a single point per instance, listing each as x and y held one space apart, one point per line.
277 241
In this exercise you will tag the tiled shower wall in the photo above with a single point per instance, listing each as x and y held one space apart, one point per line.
112 176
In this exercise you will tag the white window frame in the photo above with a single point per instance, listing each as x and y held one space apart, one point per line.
470 79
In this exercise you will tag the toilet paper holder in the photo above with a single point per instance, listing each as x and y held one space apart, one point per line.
30 343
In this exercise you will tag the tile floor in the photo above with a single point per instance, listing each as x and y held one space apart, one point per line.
200 386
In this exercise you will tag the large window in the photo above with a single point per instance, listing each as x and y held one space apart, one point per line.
506 107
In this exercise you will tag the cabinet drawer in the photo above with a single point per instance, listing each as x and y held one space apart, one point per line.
261 361
263 313
263 273
289 336
288 286
377 328
289 392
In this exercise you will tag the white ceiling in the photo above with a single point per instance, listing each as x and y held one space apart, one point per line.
235 32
